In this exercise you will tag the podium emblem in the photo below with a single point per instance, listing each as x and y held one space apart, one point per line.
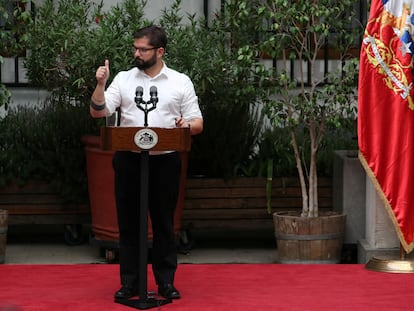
146 138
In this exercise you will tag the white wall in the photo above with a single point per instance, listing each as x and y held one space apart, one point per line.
154 8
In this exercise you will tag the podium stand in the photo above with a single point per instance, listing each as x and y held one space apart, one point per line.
144 139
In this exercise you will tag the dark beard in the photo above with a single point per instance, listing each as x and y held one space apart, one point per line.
143 65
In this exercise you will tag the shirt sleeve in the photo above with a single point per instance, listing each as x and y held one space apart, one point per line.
190 108
113 95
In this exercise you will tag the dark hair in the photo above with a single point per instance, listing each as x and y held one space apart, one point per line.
156 35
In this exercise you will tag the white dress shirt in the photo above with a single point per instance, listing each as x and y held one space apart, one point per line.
176 97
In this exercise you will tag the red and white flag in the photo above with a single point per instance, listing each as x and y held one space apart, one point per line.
386 110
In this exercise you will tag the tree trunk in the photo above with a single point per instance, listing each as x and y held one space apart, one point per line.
313 174
305 200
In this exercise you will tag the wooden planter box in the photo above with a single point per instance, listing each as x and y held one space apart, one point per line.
208 203
241 203
36 203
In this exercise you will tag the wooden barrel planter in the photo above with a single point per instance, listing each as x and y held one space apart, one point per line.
309 240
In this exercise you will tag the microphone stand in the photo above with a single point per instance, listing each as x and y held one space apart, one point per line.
144 301
143 105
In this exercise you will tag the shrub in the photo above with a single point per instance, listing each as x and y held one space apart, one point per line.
43 142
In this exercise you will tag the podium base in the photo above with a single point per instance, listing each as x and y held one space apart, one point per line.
392 266
143 304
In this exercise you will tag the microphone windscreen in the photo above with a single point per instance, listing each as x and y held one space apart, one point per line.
139 90
153 90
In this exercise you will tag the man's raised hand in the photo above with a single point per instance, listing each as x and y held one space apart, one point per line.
102 73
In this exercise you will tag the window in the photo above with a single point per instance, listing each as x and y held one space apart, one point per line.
15 18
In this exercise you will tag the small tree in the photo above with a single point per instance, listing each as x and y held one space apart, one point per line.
69 39
296 33
15 21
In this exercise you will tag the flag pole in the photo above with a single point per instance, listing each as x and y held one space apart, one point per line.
403 253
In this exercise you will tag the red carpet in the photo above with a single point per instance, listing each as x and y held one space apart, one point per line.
211 287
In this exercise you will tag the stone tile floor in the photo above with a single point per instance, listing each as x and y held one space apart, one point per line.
42 244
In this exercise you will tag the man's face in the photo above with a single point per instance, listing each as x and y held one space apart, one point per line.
145 54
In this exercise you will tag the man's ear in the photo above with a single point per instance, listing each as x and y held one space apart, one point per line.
161 51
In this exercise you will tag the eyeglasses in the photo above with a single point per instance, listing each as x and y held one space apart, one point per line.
143 50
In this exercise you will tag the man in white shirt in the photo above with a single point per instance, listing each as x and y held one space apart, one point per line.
177 107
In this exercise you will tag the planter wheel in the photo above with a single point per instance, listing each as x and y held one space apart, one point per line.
73 234
110 255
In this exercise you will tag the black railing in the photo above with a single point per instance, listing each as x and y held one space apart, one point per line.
15 77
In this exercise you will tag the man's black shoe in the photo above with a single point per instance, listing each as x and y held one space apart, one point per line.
125 292
168 291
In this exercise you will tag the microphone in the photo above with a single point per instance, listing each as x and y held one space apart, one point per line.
153 94
138 94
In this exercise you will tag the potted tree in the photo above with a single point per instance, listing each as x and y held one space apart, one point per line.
47 132
308 101
232 81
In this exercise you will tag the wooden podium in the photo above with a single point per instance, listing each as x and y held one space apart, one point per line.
122 138
144 139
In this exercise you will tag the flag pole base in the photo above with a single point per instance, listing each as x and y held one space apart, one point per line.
391 266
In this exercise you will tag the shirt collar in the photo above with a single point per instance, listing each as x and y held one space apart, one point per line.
162 73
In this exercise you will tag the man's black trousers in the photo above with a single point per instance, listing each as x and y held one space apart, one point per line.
163 185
